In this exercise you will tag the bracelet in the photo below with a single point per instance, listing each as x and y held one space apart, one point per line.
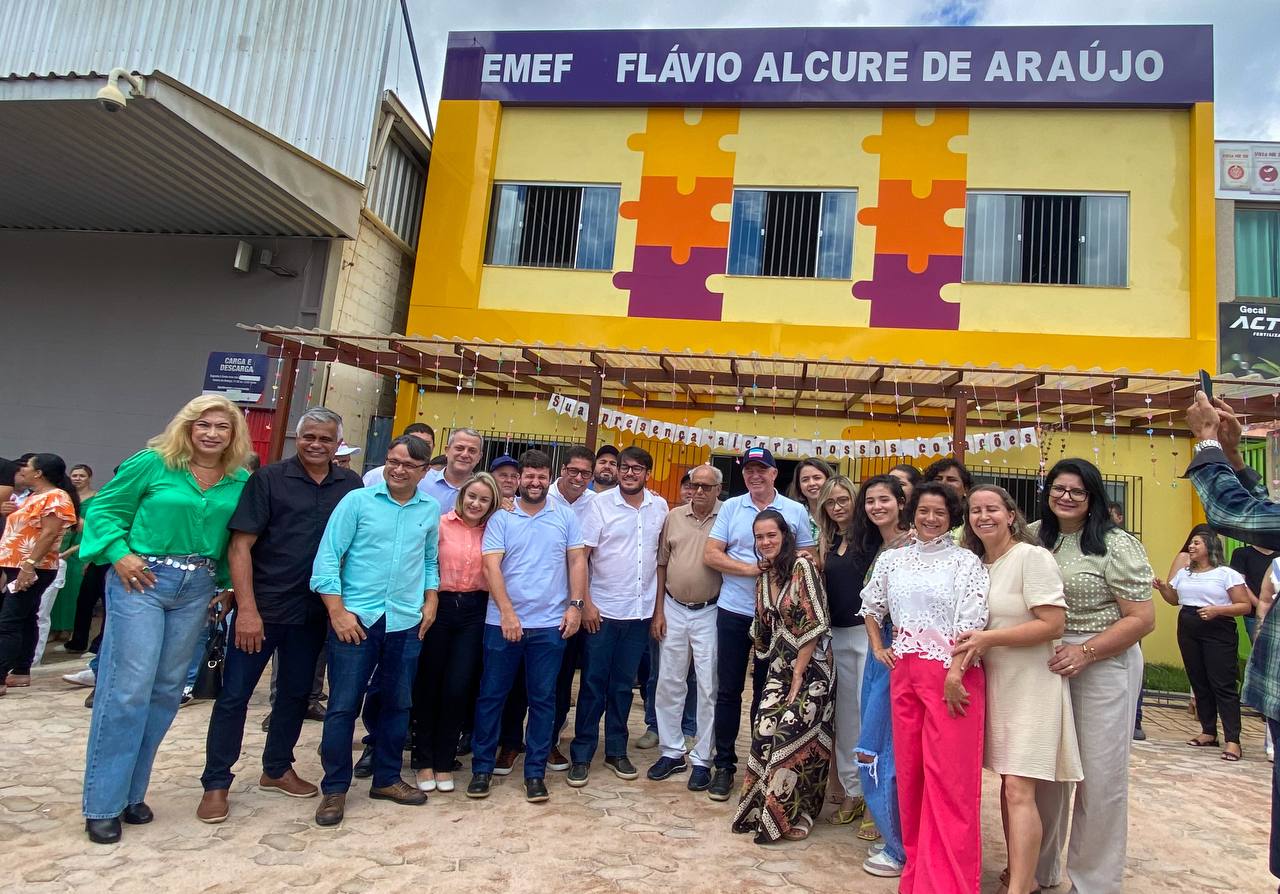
1089 651
1207 443
30 562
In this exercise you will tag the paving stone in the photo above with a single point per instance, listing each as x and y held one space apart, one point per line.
282 843
621 872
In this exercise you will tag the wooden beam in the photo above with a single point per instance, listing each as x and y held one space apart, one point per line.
961 415
284 401
593 411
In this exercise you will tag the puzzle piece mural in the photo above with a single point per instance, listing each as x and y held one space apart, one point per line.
917 251
661 288
686 172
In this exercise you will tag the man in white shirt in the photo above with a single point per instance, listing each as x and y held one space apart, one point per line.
419 430
621 529
731 550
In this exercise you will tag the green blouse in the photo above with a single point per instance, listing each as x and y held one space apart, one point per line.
1092 584
151 509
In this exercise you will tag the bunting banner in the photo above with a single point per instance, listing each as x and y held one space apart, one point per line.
832 450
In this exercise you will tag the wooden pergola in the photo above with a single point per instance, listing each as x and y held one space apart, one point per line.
947 396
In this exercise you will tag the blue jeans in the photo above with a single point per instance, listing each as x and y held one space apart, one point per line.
540 651
296 647
648 676
197 656
611 657
394 658
145 652
880 777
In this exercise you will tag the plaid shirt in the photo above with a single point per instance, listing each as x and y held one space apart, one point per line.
1262 675
1236 503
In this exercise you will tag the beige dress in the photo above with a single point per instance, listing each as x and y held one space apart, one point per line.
1030 729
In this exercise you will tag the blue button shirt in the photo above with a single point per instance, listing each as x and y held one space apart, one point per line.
733 529
534 550
380 556
437 486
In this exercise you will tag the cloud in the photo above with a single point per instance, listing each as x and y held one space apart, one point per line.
1247 75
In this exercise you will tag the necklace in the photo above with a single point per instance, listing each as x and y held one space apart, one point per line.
203 483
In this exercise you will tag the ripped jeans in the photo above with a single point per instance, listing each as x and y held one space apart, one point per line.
879 776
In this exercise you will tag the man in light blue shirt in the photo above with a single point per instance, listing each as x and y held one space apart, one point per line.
731 550
536 567
377 574
462 454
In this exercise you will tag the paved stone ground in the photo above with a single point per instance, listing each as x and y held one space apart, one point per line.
1197 824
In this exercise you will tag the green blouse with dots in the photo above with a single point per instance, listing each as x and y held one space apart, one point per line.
1092 584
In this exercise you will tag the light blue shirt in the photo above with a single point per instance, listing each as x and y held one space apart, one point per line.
437 486
733 529
535 569
380 556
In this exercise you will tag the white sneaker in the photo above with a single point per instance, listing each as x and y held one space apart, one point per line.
85 677
876 848
882 865
648 740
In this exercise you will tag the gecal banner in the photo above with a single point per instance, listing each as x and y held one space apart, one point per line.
1053 65
833 449
1249 338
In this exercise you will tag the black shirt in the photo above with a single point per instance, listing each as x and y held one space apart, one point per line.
844 576
7 468
1253 565
288 511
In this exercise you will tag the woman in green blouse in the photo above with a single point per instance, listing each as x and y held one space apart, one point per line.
1107 582
161 523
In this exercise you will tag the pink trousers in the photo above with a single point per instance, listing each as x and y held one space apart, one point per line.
939 763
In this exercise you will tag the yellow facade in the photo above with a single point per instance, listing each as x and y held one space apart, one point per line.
1162 320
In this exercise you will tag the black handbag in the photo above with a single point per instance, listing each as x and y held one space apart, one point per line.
209 676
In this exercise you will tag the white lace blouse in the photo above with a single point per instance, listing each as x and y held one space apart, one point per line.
932 591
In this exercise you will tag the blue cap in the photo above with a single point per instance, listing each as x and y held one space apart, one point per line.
758 455
501 461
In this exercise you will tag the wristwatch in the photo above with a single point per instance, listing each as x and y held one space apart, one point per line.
1207 443
577 603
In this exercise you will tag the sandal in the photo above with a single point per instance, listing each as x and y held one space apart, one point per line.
1198 742
800 830
867 831
847 814
1232 756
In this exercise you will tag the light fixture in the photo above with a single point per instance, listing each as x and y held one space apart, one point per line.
111 98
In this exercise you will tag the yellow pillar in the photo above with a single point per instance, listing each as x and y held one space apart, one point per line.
1204 288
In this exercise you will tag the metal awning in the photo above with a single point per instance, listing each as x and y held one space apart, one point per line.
172 161
953 397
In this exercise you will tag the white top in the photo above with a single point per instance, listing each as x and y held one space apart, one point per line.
1275 573
1197 589
376 476
624 553
579 506
933 592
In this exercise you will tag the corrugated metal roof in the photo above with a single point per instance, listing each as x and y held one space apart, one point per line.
309 71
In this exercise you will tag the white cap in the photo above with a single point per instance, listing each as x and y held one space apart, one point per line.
345 449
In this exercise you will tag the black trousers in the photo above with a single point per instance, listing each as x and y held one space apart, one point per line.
733 650
513 713
1274 726
443 689
19 617
93 586
1209 653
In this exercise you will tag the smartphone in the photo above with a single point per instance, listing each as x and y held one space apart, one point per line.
1206 384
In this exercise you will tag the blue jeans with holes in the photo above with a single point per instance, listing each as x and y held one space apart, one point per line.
540 651
880 777
611 658
391 659
146 650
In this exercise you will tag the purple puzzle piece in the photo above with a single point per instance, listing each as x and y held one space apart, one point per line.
666 290
901 299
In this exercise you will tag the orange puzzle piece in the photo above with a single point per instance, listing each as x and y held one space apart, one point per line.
673 147
665 216
918 152
916 227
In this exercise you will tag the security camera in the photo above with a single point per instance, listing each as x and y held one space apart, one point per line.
111 98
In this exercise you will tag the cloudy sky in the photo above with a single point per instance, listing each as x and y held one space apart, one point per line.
1247 60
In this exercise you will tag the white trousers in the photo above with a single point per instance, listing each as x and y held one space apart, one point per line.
690 632
849 648
45 616
1104 698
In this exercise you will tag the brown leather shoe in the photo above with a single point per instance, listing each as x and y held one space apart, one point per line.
213 807
401 792
506 760
288 784
331 809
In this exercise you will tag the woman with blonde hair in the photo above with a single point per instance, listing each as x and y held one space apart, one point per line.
161 523
444 690
1030 731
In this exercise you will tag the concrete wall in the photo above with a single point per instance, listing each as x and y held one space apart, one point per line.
107 335
1225 248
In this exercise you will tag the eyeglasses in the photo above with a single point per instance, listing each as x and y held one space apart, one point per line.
577 473
632 470
701 487
413 467
1074 494
843 502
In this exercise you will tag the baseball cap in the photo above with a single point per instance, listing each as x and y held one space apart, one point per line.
501 461
607 448
345 449
758 455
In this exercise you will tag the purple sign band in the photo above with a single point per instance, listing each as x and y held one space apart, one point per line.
1143 65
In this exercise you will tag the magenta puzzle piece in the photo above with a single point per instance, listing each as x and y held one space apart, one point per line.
661 288
901 299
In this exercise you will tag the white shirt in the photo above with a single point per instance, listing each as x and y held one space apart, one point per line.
933 591
624 553
1197 589
579 506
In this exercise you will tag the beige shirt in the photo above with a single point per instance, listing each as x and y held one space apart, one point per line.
680 550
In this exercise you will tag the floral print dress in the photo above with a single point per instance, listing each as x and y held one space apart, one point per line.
786 777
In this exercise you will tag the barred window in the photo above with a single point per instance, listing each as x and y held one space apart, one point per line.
1055 239
795 233
569 227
